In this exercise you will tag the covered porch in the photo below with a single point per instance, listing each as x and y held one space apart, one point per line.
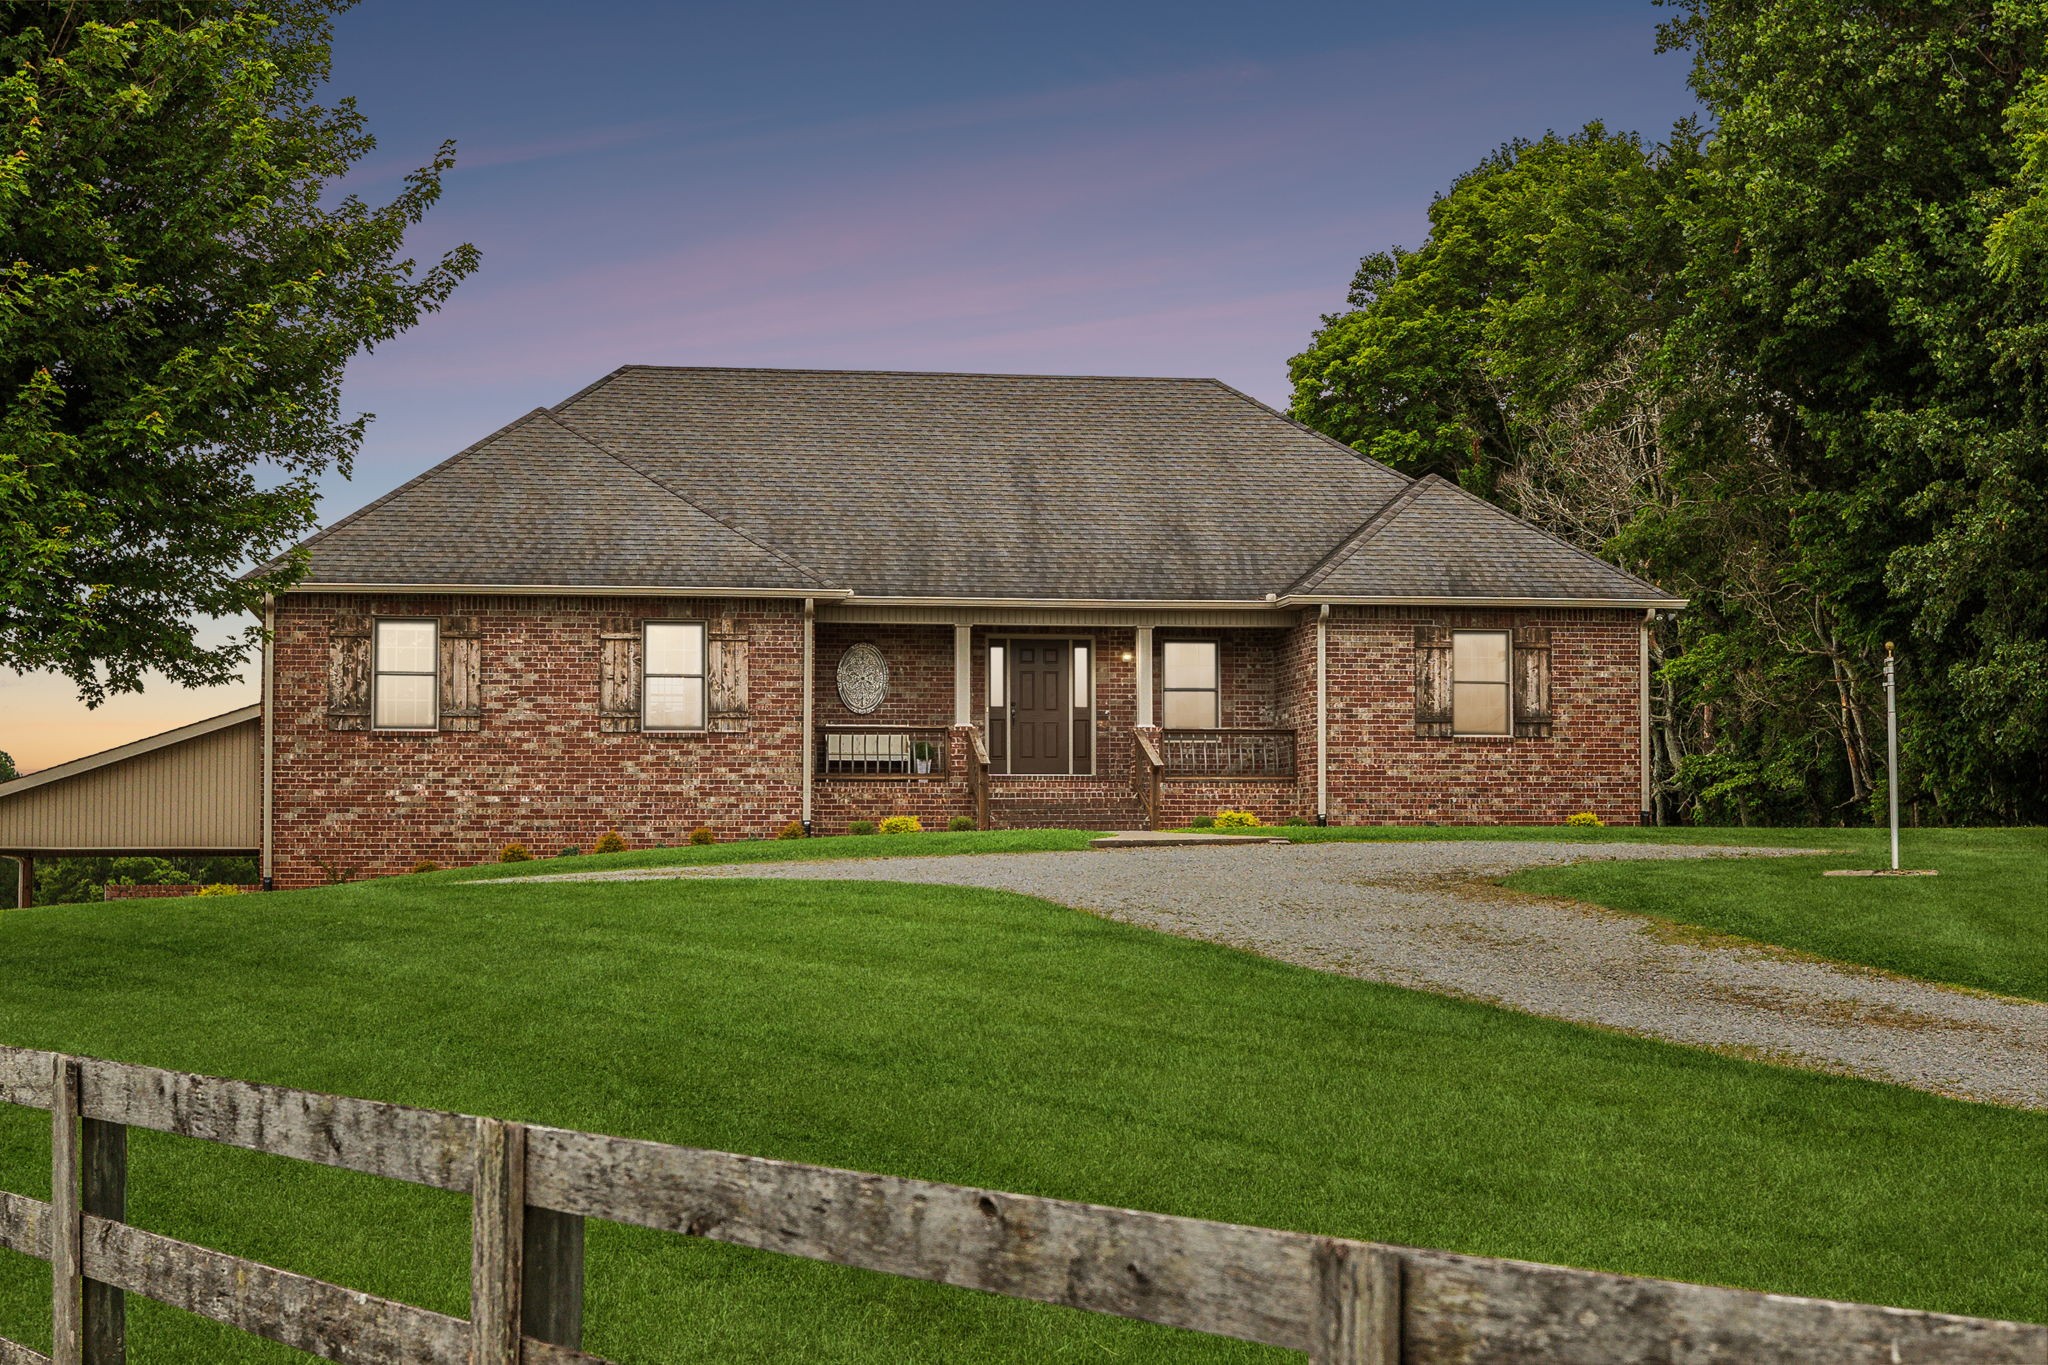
1029 718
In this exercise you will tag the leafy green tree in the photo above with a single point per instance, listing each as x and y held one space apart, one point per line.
178 300
8 772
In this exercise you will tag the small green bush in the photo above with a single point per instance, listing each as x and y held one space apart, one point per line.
1585 819
860 827
960 824
793 830
426 865
1202 822
703 835
569 852
218 889
1237 819
902 824
515 852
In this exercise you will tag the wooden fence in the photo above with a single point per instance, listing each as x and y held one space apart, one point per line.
533 1187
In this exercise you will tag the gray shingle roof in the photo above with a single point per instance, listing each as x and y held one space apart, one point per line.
1437 540
936 485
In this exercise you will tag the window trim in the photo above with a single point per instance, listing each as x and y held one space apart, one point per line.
378 672
703 677
1506 685
1214 690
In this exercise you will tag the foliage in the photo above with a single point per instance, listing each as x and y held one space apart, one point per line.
426 865
703 834
1202 822
860 827
609 842
8 772
515 852
1237 819
960 824
793 830
218 889
860 1025
73 881
569 851
1585 819
1297 821
182 289
902 824
1792 369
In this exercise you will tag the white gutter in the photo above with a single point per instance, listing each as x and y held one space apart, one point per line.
266 870
1323 715
810 634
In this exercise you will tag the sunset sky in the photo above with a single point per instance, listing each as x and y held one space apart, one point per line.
1136 188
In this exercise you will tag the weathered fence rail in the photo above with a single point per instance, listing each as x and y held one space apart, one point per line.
532 1188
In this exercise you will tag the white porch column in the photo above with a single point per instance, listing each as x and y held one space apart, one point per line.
1323 715
963 675
809 739
1143 649
266 874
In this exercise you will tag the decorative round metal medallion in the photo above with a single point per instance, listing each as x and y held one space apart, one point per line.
863 678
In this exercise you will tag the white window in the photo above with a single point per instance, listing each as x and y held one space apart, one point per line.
405 691
1479 682
996 676
1083 682
672 691
1191 685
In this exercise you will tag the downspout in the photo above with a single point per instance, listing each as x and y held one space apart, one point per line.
1643 708
1323 715
810 630
269 868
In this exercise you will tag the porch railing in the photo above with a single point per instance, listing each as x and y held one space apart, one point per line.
881 750
1229 753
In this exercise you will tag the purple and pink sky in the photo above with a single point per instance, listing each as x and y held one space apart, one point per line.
1136 188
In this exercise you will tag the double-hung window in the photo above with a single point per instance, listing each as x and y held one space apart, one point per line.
1479 682
672 693
405 686
1190 685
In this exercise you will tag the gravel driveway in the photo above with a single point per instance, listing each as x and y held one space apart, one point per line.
1423 915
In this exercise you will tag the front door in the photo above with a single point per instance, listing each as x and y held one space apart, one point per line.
1040 706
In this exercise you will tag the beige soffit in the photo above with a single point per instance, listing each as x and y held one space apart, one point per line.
133 749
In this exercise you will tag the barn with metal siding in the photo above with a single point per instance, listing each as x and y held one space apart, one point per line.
194 790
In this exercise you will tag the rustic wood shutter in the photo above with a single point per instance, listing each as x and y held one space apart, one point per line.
1531 672
619 668
1432 682
348 672
725 682
462 701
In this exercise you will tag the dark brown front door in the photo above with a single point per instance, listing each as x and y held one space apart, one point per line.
1040 706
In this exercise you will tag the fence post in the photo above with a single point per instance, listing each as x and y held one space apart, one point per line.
1358 1305
104 1166
67 1290
497 1239
551 1299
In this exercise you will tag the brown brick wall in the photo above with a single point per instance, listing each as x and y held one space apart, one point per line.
538 770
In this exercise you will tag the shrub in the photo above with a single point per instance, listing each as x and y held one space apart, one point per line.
1202 822
1585 819
569 852
610 842
793 830
1236 819
960 824
703 835
515 852
1297 821
902 824
426 865
218 889
860 827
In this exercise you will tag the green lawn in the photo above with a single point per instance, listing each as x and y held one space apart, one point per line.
975 1037
1982 922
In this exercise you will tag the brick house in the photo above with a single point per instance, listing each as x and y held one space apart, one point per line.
739 598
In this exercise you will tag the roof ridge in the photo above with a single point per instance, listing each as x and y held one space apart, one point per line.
425 474
806 570
895 374
1524 522
1351 544
1306 429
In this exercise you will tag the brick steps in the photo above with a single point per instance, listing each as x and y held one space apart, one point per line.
1093 810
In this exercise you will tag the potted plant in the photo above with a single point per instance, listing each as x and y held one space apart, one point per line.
921 755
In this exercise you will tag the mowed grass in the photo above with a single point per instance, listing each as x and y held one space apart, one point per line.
1982 922
975 1037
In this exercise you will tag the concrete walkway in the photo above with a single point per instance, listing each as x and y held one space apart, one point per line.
1424 915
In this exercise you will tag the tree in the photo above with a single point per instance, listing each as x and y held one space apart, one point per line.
177 305
8 772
